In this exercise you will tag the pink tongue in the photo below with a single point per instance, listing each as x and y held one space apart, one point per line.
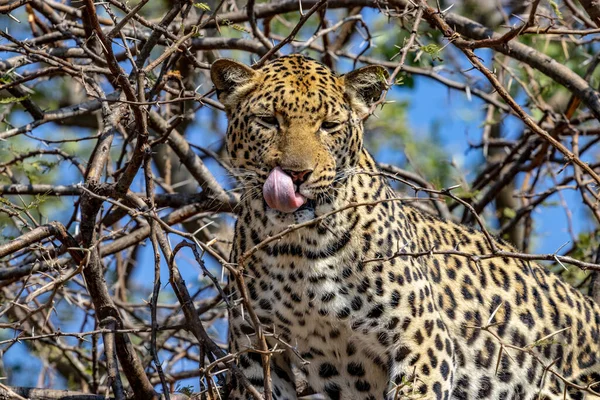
279 192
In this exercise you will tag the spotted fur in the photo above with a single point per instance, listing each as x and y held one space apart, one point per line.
344 311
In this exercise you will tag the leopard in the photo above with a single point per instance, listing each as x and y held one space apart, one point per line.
358 293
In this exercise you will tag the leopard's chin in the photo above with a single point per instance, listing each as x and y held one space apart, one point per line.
280 220
317 205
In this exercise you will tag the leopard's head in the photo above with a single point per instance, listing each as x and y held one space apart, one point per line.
295 127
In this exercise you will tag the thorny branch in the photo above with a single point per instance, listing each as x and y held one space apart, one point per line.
122 95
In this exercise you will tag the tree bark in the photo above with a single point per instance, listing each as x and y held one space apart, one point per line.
592 7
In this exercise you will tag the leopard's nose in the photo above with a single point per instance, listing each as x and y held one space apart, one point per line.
298 177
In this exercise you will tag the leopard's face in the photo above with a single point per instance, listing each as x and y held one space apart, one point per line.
295 130
299 119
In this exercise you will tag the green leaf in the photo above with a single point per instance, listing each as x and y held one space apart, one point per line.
202 6
9 100
556 9
238 28
509 212
187 390
38 200
433 50
465 194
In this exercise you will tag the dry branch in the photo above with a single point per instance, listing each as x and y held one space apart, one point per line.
104 86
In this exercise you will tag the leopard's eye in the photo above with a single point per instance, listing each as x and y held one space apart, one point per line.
331 126
268 121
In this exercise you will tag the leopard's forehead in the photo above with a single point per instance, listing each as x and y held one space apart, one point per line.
300 85
297 64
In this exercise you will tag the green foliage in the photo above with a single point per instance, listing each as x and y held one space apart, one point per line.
465 194
416 152
202 6
187 390
400 79
37 168
576 58
32 170
508 212
37 205
555 9
10 100
584 249
433 50
37 201
586 245
236 27
6 78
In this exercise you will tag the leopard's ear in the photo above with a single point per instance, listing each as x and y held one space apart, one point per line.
232 81
365 85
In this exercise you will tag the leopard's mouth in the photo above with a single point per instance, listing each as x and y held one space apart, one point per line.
282 193
309 205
